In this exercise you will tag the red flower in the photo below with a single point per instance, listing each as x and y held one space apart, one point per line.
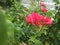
43 4
33 18
29 19
44 10
48 21
37 19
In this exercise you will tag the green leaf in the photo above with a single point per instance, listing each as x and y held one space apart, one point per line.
35 41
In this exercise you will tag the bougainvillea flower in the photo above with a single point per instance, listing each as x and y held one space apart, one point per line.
37 19
44 10
33 18
29 19
43 4
48 21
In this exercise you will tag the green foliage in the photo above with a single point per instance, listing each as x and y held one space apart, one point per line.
9 2
3 29
57 1
20 32
10 32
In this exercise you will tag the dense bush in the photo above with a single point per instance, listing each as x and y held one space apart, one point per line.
32 26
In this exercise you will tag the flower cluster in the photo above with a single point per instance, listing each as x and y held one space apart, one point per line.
43 9
37 19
